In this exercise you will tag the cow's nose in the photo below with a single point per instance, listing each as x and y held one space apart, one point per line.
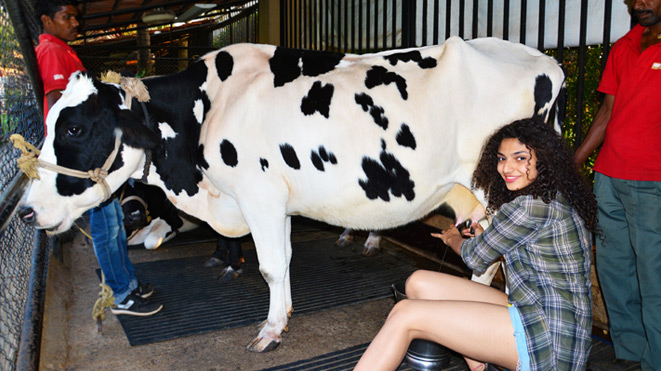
27 214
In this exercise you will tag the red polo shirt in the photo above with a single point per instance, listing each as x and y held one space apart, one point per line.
632 146
57 61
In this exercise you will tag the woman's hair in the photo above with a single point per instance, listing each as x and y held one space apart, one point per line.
556 171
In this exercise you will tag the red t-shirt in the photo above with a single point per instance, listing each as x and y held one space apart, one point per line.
57 61
632 146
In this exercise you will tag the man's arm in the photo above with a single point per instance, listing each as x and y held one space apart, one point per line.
53 96
597 132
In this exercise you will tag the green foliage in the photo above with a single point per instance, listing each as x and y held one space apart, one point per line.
591 98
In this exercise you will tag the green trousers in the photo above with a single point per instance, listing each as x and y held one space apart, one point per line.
629 266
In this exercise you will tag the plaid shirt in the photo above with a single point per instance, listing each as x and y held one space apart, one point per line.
547 253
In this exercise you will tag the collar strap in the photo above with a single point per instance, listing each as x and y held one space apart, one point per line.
29 161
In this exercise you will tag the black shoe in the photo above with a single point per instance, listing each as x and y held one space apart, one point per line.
143 290
134 305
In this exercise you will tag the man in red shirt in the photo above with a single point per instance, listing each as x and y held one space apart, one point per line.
57 61
628 188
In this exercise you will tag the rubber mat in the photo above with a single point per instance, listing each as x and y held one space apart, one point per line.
323 276
600 359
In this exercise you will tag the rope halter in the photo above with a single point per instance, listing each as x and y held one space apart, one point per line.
29 161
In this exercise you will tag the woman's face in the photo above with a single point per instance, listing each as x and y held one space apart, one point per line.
516 164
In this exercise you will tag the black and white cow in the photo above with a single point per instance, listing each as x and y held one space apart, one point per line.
252 134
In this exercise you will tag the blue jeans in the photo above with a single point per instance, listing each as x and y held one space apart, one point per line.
629 265
110 247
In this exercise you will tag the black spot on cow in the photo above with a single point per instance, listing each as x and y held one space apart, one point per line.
264 163
377 112
405 138
228 153
288 64
224 65
320 156
386 177
543 94
179 160
381 76
327 156
318 99
317 161
414 56
201 160
289 155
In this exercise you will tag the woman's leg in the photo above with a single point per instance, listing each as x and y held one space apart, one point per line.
477 329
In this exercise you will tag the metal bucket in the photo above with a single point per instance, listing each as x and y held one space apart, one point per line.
423 355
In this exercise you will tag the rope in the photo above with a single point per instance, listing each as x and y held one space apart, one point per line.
29 161
106 300
133 87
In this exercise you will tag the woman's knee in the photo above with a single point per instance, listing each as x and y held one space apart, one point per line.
420 284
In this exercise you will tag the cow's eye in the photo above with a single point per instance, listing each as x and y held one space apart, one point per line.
74 131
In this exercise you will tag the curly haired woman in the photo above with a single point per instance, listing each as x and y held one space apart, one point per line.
543 214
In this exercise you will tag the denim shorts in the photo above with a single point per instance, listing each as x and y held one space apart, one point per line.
520 337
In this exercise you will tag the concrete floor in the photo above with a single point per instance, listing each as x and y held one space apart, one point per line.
71 340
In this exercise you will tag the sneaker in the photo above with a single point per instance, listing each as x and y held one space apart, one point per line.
134 305
143 290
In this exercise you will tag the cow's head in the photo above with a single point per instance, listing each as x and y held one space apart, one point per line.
83 126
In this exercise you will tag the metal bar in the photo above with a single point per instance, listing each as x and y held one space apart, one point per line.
476 4
606 45
542 24
424 21
506 19
462 15
30 343
448 17
561 31
580 80
523 23
436 21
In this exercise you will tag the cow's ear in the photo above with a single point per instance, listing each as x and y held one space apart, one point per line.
135 133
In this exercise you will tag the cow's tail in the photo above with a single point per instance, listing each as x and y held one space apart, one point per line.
560 112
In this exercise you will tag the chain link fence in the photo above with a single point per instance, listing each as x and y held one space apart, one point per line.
20 113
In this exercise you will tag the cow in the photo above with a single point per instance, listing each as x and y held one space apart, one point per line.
251 135
151 219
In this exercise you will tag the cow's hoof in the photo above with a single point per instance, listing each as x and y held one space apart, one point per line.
343 241
229 274
262 345
370 250
212 262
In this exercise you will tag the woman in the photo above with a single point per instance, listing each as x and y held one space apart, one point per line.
545 213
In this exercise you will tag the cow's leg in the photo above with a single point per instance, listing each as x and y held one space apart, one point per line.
371 246
345 238
232 257
273 252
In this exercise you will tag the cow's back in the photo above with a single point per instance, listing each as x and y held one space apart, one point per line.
367 141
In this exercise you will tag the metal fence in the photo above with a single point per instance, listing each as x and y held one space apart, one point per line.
578 33
20 113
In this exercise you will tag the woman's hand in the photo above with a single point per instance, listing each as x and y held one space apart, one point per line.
452 238
474 230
